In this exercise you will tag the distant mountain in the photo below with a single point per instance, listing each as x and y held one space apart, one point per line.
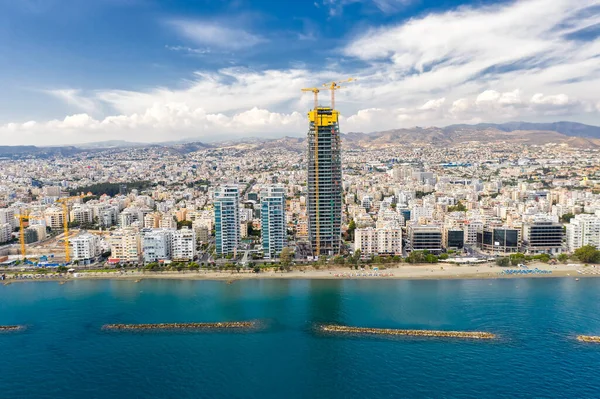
572 129
570 133
110 144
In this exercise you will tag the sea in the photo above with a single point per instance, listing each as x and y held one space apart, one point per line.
65 353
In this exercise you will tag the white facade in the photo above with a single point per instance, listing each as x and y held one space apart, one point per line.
157 244
583 230
7 215
85 246
184 244
82 214
370 241
5 232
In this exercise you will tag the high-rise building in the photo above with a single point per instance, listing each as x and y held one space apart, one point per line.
583 230
324 181
272 214
227 220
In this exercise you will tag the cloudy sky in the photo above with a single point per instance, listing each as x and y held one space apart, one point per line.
76 71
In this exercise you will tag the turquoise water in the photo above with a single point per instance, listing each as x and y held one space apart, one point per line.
64 354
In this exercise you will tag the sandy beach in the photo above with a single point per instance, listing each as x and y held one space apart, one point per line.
401 271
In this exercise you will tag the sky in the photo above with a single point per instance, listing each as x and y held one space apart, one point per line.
79 71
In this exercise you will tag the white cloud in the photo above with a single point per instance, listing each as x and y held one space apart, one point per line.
471 64
74 98
218 34
189 50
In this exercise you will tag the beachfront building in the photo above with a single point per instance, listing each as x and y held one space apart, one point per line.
583 230
125 246
499 240
378 241
85 247
227 221
424 238
273 226
157 244
453 238
184 245
543 235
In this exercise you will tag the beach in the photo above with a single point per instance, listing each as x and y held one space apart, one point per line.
399 271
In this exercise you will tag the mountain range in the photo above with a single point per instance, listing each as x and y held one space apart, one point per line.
570 133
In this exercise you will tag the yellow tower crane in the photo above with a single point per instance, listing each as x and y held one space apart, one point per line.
333 86
22 218
64 202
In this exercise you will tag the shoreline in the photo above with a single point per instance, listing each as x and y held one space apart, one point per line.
403 272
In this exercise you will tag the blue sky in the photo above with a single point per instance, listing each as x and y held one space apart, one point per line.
75 71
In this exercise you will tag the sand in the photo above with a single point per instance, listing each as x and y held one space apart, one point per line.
400 271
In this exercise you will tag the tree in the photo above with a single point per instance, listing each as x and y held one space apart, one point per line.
588 254
457 208
563 258
351 229
444 256
567 217
416 257
431 258
184 223
517 258
286 257
503 262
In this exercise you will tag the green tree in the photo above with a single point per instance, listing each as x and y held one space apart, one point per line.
431 258
184 223
503 262
517 258
567 217
351 229
286 257
588 254
563 258
416 257
444 256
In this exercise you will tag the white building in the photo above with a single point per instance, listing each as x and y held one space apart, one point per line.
5 232
184 244
7 215
583 230
157 244
82 214
85 247
378 241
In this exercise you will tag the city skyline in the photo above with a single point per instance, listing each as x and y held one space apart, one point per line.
181 71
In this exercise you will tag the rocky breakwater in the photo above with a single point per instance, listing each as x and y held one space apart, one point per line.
411 333
228 325
589 338
11 328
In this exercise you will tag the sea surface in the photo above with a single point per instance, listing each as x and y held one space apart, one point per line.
64 353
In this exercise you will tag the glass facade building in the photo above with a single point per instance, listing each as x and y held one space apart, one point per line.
272 215
227 220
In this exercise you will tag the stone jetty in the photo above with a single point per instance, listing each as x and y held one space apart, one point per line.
412 333
589 338
10 328
228 325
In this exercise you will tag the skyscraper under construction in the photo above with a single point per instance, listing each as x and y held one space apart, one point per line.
324 181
